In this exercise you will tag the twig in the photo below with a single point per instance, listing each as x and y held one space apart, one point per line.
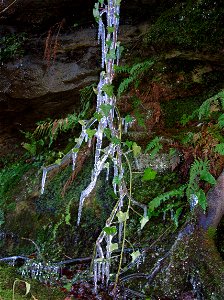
5 9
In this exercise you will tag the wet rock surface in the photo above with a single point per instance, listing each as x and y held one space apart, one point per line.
33 88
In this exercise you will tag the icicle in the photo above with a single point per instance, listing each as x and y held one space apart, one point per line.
107 167
99 271
120 231
95 269
103 272
193 201
89 143
137 163
115 175
74 157
85 193
43 180
171 214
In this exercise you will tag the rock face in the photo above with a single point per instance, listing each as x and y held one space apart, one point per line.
33 88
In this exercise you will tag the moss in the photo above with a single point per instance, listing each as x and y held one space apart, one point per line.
194 25
174 110
8 275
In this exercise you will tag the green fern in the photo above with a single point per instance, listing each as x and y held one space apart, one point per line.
154 146
199 171
51 128
220 148
135 73
206 108
156 202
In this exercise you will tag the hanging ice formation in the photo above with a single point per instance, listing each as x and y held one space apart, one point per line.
106 13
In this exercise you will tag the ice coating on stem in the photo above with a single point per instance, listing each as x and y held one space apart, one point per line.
44 176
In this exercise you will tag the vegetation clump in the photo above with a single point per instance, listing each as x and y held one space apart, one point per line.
189 25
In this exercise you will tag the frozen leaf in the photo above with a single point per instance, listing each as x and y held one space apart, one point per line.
128 119
110 29
122 216
129 144
111 55
98 116
96 12
136 149
115 140
143 221
82 122
58 161
135 255
113 247
90 132
106 109
110 230
149 174
109 90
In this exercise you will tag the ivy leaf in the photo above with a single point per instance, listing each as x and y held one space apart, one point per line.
108 89
115 140
111 55
135 255
113 247
107 132
149 174
207 176
110 230
96 12
78 140
136 149
90 132
128 119
143 221
58 161
105 109
108 43
98 116
82 122
122 216
110 29
129 144
116 180
202 199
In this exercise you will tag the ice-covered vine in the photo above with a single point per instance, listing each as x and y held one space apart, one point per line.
106 124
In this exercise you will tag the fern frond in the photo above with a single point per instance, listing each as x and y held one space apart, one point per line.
136 71
87 93
199 171
154 146
220 148
122 69
156 202
124 85
205 109
142 67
